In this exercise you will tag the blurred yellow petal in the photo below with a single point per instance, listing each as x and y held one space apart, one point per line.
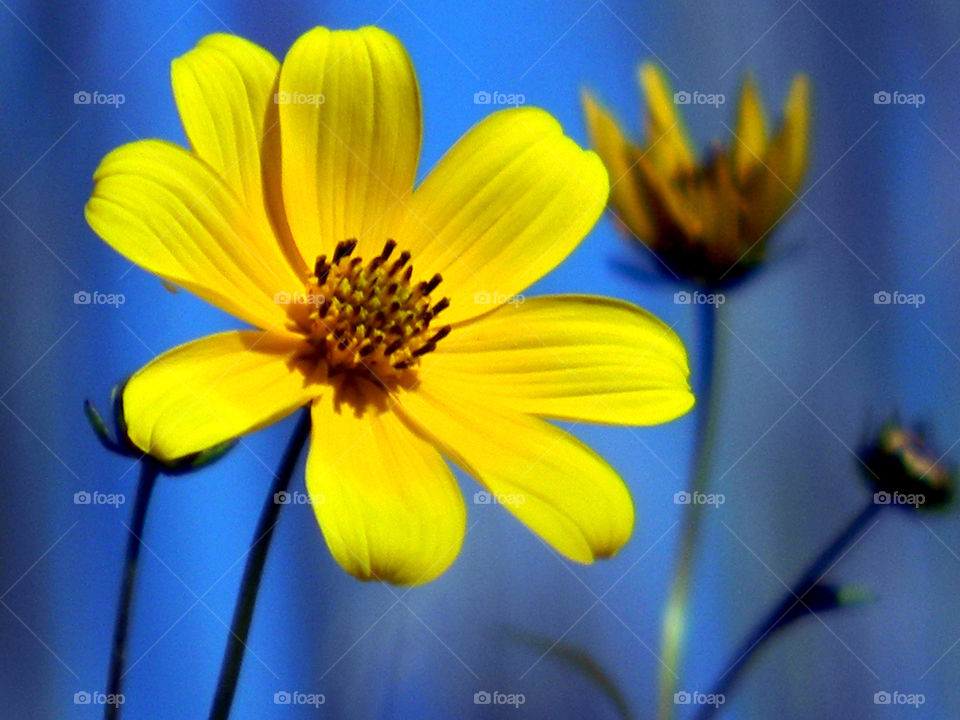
667 142
788 154
555 485
505 206
169 212
350 134
571 357
210 390
387 503
750 143
619 156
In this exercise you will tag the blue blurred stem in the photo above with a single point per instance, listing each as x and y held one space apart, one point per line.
149 471
674 622
253 573
784 611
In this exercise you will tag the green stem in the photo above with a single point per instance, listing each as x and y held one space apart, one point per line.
253 573
674 624
149 471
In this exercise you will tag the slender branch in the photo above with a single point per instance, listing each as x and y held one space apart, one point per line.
253 573
149 471
784 611
674 623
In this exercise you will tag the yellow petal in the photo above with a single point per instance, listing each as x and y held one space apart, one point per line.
388 505
554 484
619 156
667 144
350 132
167 211
505 206
751 142
211 390
571 357
225 89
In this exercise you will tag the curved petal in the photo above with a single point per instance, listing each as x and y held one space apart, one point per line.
167 211
553 483
575 358
388 505
224 90
210 390
505 206
750 143
350 120
619 156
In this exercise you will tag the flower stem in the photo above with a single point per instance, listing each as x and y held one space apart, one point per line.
777 617
674 624
149 471
253 573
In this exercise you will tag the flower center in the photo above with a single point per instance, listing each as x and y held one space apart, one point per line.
369 317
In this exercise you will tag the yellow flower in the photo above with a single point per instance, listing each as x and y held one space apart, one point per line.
708 221
296 212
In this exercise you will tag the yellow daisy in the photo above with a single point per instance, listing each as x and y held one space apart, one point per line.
707 220
392 311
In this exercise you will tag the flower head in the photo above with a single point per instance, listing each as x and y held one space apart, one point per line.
904 470
707 220
393 311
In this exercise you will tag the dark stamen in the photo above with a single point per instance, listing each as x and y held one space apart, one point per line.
344 248
400 262
387 249
428 287
440 334
393 347
439 307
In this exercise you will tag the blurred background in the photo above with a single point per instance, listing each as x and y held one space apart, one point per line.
810 362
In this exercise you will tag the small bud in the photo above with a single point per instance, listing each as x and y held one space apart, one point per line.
903 469
119 442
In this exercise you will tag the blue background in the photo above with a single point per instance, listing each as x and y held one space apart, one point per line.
881 214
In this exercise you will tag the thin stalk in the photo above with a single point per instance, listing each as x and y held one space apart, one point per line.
253 574
674 624
149 471
777 615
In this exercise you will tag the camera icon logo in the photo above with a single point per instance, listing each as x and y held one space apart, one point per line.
82 98
681 97
282 298
481 298
482 698
681 698
481 98
681 498
881 697
882 498
281 498
282 697
81 498
682 297
281 98
81 698
881 98
482 497
81 298
882 298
